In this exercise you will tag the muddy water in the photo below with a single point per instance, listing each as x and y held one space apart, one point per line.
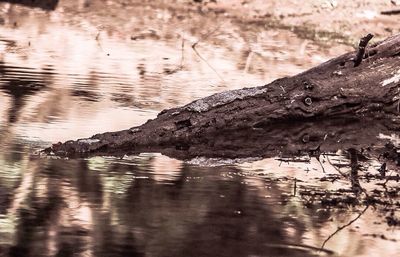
90 67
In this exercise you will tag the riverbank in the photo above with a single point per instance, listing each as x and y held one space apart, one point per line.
321 20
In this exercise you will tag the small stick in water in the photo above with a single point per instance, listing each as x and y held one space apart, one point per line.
201 57
361 49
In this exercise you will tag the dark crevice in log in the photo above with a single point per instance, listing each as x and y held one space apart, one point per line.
183 124
396 55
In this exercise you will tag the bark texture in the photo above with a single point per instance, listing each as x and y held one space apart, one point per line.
331 104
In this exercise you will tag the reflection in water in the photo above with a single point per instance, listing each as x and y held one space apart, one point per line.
44 4
150 205
95 66
19 90
127 208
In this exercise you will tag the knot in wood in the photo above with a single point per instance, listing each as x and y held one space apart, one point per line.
308 86
308 101
306 138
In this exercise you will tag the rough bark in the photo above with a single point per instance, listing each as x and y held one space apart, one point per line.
333 101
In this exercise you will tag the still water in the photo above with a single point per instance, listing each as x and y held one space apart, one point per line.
94 66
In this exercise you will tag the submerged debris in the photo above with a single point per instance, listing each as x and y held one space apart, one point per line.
215 162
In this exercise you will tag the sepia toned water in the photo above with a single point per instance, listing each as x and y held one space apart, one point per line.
94 66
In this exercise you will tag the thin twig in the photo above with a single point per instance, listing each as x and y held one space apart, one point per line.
336 168
98 41
387 179
98 35
248 61
201 57
182 53
343 227
391 12
209 65
208 34
320 163
180 67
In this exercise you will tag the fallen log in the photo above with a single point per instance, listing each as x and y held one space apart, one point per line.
333 100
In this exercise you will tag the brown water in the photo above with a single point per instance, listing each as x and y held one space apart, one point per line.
96 66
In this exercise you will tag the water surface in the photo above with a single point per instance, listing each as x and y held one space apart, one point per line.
90 67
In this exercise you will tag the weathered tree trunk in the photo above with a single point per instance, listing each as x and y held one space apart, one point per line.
333 103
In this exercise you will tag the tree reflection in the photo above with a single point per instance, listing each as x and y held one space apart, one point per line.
44 4
19 90
70 208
